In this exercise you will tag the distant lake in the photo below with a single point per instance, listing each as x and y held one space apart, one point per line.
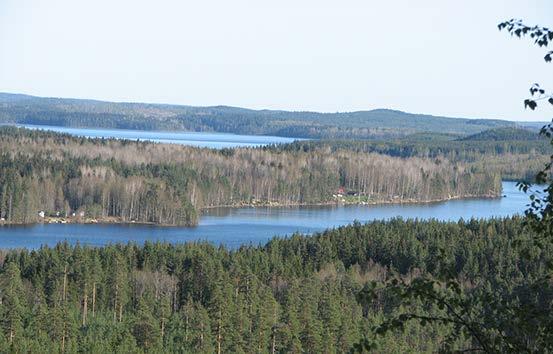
239 226
199 139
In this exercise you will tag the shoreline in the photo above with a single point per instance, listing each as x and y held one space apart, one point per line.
111 220
342 203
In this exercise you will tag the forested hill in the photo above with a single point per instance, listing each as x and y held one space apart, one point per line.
504 134
513 153
296 295
168 184
379 123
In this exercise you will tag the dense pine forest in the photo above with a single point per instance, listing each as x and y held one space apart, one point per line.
98 179
300 294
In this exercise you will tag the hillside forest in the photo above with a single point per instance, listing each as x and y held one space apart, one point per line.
374 124
132 181
515 153
303 294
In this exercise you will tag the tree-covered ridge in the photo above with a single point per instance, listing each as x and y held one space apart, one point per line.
300 294
504 134
379 123
515 159
169 184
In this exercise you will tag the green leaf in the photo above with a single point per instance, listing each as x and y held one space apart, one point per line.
530 104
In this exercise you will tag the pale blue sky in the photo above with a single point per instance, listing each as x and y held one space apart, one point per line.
440 57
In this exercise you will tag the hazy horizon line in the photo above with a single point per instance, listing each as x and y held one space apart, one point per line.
116 101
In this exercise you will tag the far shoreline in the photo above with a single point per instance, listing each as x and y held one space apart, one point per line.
110 220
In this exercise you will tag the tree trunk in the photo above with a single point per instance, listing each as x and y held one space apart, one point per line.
93 299
63 339
273 332
120 311
219 334
10 207
85 307
175 304
64 296
115 304
202 336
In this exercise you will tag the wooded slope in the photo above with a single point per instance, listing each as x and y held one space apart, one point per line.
379 123
292 295
515 154
169 184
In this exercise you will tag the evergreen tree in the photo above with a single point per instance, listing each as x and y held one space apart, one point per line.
12 305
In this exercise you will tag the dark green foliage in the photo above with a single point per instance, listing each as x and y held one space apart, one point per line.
503 134
468 149
291 295
542 37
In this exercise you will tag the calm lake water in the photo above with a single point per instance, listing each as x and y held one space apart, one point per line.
209 140
235 227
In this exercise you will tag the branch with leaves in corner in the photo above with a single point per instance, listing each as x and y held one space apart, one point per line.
542 36
509 318
540 210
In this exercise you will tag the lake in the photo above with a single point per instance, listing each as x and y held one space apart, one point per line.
237 226
199 139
